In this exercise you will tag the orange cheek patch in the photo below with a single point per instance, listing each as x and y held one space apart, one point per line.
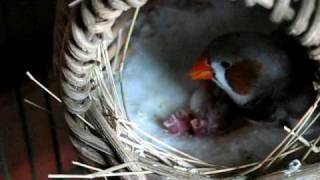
242 76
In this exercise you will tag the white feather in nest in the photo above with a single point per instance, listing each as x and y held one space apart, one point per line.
167 42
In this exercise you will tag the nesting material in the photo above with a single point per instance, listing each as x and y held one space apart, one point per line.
166 44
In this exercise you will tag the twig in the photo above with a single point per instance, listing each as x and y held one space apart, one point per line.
123 174
42 86
301 139
37 105
124 56
101 173
297 128
53 95
284 142
126 46
86 166
309 151
74 3
250 164
170 147
85 121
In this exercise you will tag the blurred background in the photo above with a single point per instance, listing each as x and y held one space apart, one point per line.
33 140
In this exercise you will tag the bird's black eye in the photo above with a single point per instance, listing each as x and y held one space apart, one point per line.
226 64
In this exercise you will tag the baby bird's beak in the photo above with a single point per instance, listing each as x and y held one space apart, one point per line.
201 70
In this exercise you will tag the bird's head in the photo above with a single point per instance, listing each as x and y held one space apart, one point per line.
236 77
241 66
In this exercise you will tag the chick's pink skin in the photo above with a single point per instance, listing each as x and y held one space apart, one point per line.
178 123
205 116
184 123
206 122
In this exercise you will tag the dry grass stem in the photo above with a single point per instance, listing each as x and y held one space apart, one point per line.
42 86
36 105
74 3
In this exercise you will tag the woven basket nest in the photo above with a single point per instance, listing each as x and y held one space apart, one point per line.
91 41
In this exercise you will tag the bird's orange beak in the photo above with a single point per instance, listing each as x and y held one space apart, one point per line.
201 70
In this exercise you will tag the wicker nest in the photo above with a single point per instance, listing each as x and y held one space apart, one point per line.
91 42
